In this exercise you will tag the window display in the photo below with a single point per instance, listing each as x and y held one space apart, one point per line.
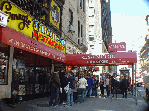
3 68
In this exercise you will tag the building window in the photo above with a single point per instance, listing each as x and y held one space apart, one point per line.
91 46
70 17
81 30
78 28
91 38
78 41
4 56
81 4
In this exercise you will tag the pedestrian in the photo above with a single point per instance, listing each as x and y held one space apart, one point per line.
55 86
75 91
102 85
89 88
14 96
71 82
107 86
125 84
63 81
116 86
82 83
94 85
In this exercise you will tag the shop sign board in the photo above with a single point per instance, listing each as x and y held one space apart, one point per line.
55 14
116 47
24 23
3 19
112 59
16 39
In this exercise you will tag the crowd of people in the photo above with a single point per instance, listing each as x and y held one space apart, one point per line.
67 87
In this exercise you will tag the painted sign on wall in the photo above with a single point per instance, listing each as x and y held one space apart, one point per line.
116 47
24 23
55 14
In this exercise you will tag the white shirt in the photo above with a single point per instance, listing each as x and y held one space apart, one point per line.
82 83
107 81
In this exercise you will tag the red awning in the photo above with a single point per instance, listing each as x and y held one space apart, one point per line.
13 38
112 59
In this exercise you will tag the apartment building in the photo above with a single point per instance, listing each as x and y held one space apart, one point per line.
99 31
74 25
144 52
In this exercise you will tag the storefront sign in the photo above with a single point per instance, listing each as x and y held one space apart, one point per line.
112 59
3 19
55 14
16 39
117 47
24 23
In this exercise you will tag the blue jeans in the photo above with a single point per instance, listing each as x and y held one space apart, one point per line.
90 91
54 96
70 97
81 92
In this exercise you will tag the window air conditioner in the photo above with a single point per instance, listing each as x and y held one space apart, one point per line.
71 29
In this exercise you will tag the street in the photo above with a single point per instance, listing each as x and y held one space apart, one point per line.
90 104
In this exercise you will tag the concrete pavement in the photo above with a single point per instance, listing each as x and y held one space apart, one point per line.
90 104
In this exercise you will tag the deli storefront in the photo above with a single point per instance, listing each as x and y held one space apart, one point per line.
28 52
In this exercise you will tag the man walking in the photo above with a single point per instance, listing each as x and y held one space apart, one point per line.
71 82
125 84
82 83
55 85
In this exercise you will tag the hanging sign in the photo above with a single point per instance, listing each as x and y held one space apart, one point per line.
116 47
3 19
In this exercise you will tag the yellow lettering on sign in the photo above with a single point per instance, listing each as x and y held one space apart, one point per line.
24 23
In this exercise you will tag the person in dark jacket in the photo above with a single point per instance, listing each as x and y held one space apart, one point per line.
116 86
63 81
70 79
125 84
55 86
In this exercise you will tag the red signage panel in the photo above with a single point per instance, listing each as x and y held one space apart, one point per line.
114 58
116 47
16 39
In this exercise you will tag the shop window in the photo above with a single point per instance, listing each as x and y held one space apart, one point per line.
3 68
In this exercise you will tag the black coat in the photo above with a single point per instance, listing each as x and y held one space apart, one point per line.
125 83
62 79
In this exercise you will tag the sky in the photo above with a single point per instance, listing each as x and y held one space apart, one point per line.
128 24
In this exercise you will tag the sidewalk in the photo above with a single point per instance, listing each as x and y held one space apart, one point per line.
90 104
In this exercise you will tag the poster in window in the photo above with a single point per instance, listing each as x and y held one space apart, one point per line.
21 90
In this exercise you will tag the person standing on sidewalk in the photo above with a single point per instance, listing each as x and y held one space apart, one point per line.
107 86
102 85
82 83
75 91
87 88
55 86
63 94
71 82
125 84
89 82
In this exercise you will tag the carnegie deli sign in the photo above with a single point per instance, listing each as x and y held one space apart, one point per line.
117 47
24 23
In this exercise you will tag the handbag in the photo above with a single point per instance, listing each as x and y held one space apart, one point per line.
66 88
